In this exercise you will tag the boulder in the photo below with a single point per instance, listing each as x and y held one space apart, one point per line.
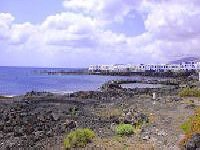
194 142
146 137
55 116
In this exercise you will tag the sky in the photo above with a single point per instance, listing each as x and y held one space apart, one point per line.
77 33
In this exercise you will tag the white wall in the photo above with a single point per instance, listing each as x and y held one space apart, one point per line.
142 67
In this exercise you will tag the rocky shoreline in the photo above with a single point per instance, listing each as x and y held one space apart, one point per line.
150 73
40 120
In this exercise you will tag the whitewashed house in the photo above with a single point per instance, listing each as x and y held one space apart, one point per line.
94 68
162 68
198 65
188 65
148 67
140 68
132 68
106 68
184 66
122 68
174 67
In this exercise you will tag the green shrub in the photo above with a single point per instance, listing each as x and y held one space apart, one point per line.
73 111
186 126
190 92
78 138
191 126
124 129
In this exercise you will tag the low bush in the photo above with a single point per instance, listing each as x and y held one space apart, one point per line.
193 92
78 138
73 111
124 129
191 126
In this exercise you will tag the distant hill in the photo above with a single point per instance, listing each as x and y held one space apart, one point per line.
184 59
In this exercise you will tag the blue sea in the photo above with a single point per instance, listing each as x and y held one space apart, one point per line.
19 80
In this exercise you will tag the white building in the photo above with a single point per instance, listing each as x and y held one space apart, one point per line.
184 66
121 68
198 65
94 68
106 67
140 68
188 65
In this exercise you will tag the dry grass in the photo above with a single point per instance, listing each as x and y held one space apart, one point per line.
191 101
122 143
190 92
109 112
187 101
152 118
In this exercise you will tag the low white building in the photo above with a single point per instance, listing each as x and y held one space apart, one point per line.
106 67
121 68
198 65
94 68
184 66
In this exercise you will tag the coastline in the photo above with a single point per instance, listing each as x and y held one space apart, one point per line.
42 119
16 82
166 81
124 73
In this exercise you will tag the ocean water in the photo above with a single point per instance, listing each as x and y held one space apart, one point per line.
19 80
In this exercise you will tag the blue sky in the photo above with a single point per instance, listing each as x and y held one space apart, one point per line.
77 33
34 11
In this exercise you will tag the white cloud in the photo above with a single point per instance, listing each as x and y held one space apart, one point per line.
173 19
174 25
80 36
65 19
104 10
6 20
20 33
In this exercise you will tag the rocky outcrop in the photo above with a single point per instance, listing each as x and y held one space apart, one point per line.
180 75
131 116
194 142
24 125
39 118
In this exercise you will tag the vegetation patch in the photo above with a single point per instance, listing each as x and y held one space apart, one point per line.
191 126
78 138
122 143
190 92
124 129
109 112
73 111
